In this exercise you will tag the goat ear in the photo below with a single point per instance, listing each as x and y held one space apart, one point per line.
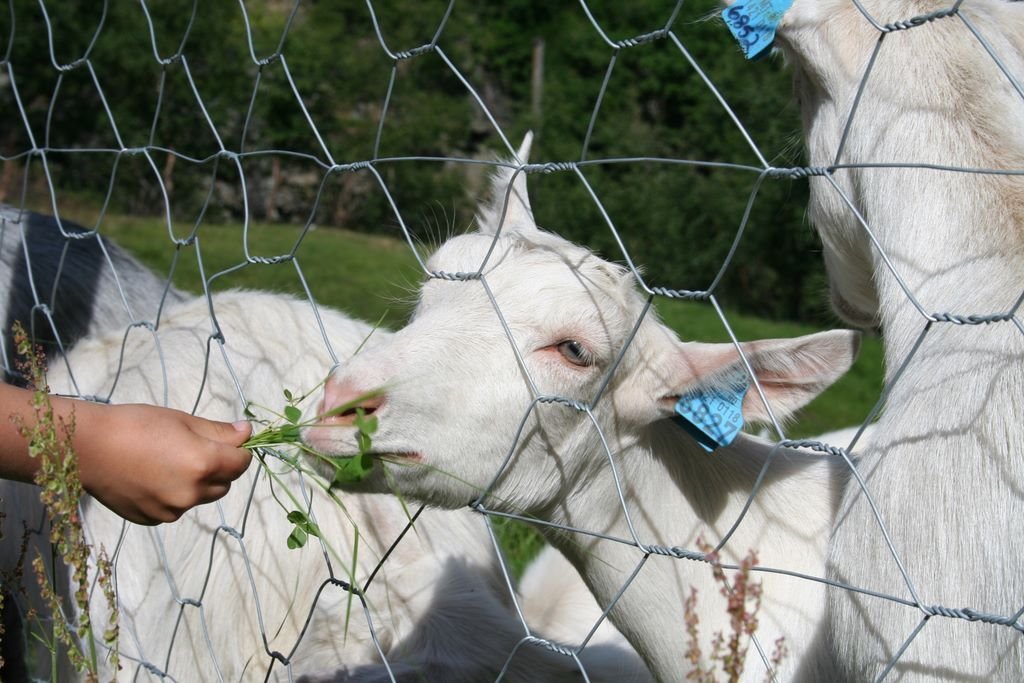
793 372
790 372
524 147
509 204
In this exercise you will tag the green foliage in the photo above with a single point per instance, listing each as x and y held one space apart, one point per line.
676 220
304 528
520 542
368 276
286 432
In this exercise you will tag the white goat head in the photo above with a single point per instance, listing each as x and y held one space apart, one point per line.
547 319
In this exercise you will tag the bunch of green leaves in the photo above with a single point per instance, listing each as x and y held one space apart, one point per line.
280 441
49 438
281 437
286 430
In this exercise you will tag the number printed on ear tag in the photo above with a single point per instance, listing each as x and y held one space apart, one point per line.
753 23
713 417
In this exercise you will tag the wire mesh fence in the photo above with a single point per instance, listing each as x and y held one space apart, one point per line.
383 587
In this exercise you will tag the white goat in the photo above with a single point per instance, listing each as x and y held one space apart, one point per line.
457 392
439 603
945 468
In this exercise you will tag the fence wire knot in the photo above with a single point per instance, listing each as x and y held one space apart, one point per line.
919 20
354 166
270 260
409 54
549 167
153 669
344 585
549 645
797 172
973 615
267 61
685 294
818 446
454 277
643 38
561 400
70 66
676 552
971 319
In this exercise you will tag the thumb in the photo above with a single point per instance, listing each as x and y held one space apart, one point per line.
242 430
228 433
232 459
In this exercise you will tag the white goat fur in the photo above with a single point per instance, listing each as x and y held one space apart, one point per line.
456 394
440 605
945 465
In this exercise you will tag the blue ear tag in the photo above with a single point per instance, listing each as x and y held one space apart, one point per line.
753 23
713 417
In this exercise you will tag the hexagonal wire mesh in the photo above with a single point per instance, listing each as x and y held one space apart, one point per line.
229 527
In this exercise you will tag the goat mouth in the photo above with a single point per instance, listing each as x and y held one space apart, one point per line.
338 452
388 456
398 456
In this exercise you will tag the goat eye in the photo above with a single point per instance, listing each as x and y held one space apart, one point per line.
575 353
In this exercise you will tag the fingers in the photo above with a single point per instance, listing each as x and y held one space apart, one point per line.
168 512
215 492
226 463
233 463
178 460
152 512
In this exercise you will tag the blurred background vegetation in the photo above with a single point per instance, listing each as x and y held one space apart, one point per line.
535 65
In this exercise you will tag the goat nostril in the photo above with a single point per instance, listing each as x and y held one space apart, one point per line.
367 406
365 409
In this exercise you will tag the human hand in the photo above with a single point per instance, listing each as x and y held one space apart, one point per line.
151 464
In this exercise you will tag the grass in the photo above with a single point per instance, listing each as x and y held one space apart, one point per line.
364 275
374 278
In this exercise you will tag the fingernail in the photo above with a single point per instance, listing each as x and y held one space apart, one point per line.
242 426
